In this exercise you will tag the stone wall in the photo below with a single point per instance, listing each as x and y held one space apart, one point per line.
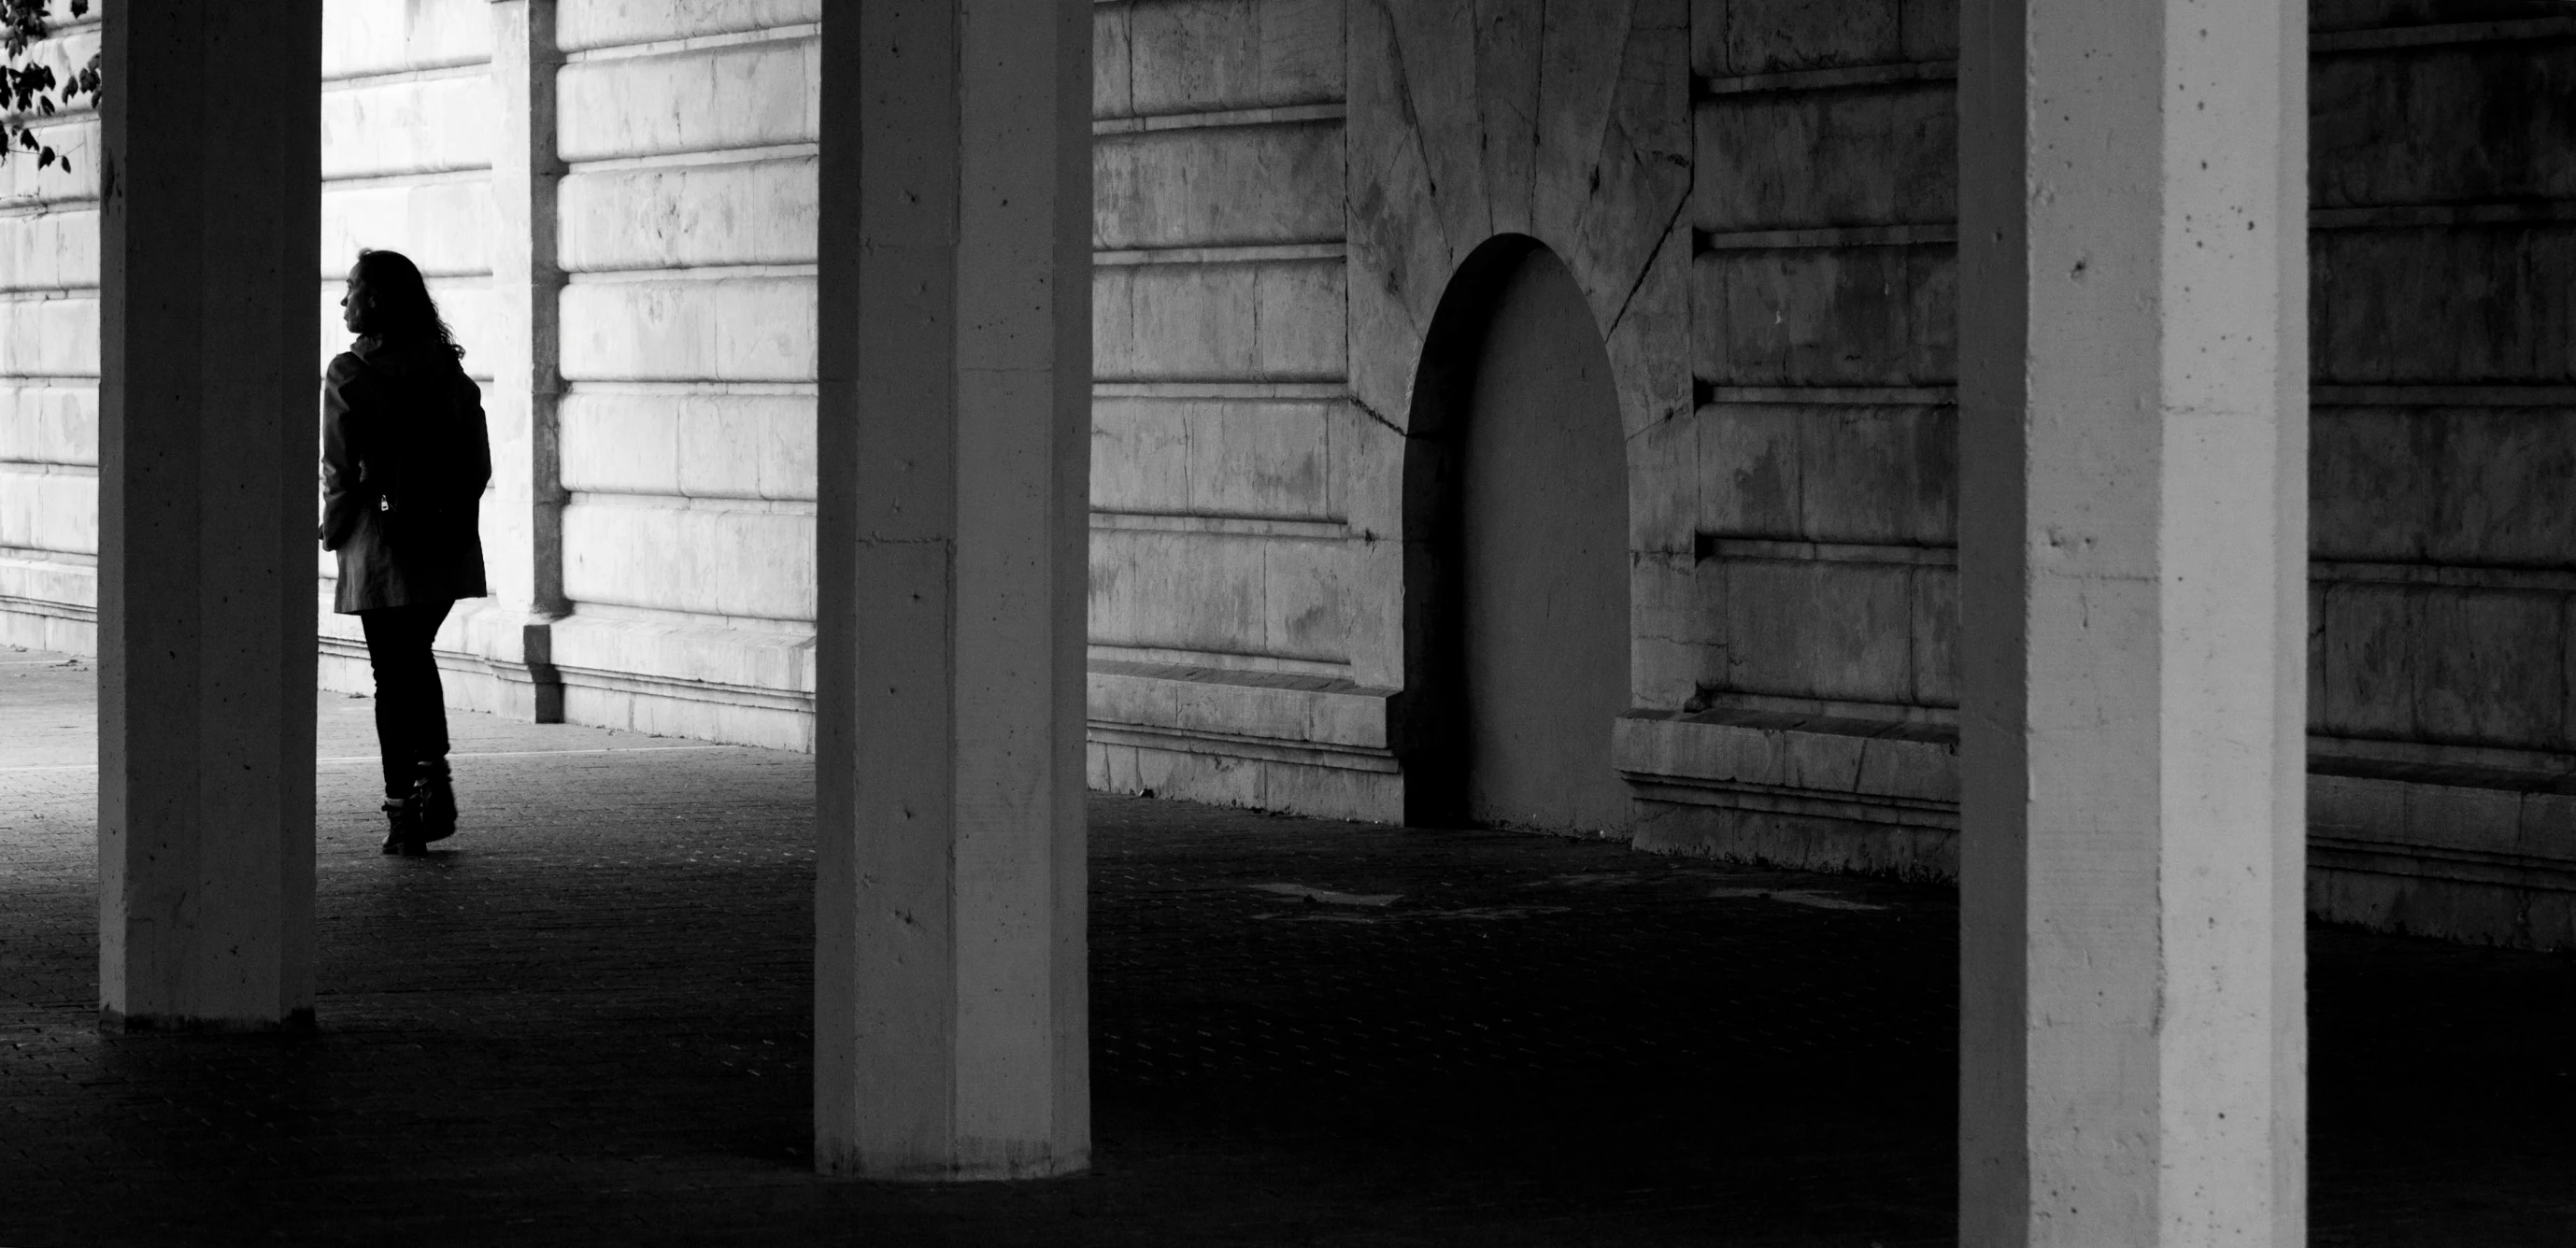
686 134
408 124
1756 198
49 377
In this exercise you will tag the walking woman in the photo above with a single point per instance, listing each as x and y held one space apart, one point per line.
404 461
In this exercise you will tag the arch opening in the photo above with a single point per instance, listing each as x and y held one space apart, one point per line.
1516 594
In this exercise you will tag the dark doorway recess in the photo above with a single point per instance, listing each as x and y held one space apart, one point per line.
1516 576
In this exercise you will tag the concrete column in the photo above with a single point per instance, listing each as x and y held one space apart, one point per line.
950 991
210 202
523 517
2132 556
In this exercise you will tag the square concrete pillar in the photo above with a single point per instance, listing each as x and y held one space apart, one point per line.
211 199
2132 558
523 518
950 994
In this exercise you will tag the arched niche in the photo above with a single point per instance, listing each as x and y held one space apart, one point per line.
1516 503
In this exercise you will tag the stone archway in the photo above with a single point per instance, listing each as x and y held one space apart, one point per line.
1567 127
1517 475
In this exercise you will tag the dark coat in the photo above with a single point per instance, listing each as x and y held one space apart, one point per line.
405 458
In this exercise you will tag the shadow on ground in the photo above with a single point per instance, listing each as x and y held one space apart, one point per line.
587 1022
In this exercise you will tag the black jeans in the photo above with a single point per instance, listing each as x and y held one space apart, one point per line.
411 708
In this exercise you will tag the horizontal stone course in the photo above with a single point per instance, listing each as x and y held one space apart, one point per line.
1222 593
699 100
1275 321
43 508
741 212
2443 305
445 227
750 446
2484 486
389 36
1154 57
1826 316
1213 457
715 560
733 329
1865 156
55 424
1732 37
1218 186
581 25
409 126
49 250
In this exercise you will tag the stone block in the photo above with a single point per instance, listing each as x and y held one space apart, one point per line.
2369 494
1180 591
718 560
1664 486
2457 305
75 136
2343 15
2459 123
1249 458
67 580
731 329
1197 56
49 424
660 647
584 24
2500 482
1365 484
1649 343
45 509
746 446
747 212
1882 475
445 227
1770 36
49 250
1140 454
1310 601
2490 668
697 100
431 125
1113 91
1930 30
1821 630
48 335
1752 470
1788 160
2457 817
1936 636
1271 321
389 36
2371 660
1222 186
1829 316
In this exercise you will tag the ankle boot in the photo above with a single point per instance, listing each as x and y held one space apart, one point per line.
435 799
404 836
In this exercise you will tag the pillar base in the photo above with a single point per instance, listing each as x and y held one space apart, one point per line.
115 1022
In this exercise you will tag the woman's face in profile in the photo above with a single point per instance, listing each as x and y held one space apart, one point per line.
353 305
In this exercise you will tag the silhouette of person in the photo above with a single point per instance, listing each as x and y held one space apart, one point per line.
404 461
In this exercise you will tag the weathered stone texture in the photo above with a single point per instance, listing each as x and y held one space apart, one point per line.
398 36
1159 57
736 95
1218 186
1205 457
1866 156
423 125
1223 594
749 212
2477 304
720 559
714 446
585 25
1235 321
731 329
1817 316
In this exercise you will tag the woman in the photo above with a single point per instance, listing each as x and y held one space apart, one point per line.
404 462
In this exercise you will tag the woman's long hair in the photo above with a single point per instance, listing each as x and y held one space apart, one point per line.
402 310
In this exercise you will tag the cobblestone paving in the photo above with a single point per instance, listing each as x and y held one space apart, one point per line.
587 1022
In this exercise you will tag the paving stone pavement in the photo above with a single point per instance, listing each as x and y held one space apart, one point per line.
587 1022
